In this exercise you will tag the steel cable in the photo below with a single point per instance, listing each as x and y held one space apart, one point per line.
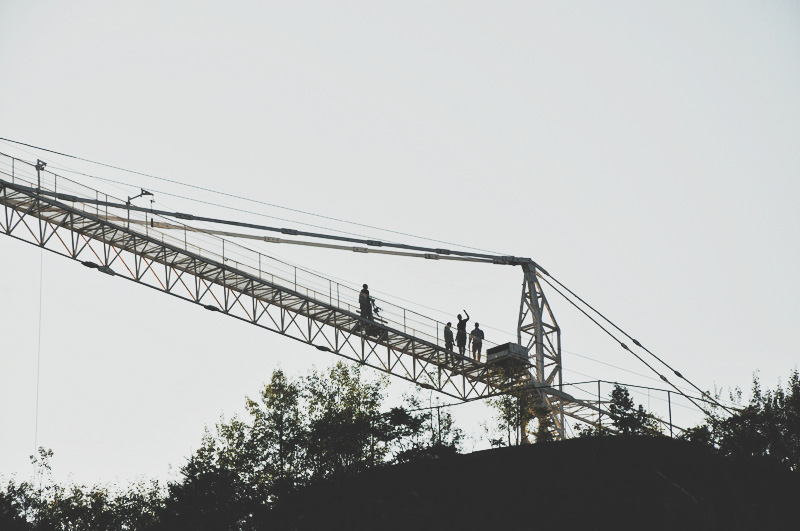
624 346
636 342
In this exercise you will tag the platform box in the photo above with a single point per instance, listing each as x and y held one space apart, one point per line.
507 351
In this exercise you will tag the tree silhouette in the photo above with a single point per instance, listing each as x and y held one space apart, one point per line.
767 429
42 505
629 419
346 431
626 418
278 435
421 433
298 432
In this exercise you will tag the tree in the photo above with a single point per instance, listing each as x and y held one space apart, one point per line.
422 433
11 512
627 418
279 435
515 410
212 493
544 423
767 429
321 427
44 506
346 431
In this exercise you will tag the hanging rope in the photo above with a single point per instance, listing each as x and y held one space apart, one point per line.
38 353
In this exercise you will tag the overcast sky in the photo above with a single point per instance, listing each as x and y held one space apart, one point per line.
645 153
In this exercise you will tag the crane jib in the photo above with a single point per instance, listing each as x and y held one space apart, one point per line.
495 259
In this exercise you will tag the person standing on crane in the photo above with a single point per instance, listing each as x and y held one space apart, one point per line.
448 337
461 333
365 302
476 342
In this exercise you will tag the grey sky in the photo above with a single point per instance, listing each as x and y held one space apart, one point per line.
644 153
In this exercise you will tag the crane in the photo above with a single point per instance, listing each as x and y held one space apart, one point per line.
175 253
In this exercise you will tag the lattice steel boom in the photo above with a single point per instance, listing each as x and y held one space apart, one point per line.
129 244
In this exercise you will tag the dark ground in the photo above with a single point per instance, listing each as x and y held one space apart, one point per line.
592 483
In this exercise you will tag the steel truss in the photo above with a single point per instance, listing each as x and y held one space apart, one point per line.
539 332
134 252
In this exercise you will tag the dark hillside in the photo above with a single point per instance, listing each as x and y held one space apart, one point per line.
592 483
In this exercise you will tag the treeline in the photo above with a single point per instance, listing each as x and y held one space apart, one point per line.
766 430
323 427
332 425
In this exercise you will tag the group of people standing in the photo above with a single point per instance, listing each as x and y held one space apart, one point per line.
367 305
475 337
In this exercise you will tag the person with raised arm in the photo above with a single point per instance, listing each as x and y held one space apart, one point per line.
461 333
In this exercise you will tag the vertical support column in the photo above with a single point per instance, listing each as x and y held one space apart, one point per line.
40 164
669 403
539 333
599 411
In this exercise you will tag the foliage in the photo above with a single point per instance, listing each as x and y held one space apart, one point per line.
544 423
212 494
279 436
319 428
43 505
422 433
346 432
515 410
768 428
11 512
626 418
322 427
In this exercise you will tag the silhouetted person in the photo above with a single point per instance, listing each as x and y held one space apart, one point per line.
365 302
461 333
476 340
448 337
